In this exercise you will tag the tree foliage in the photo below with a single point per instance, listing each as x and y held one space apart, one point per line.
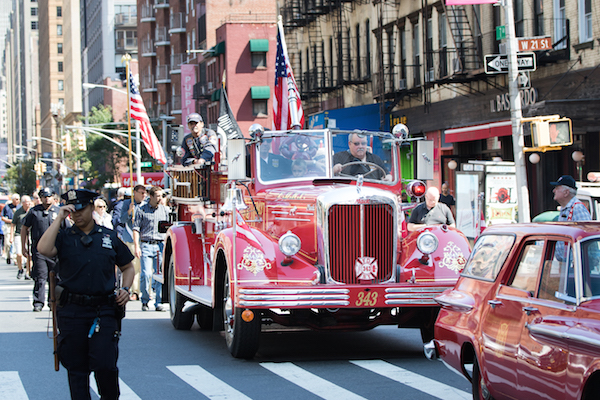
21 177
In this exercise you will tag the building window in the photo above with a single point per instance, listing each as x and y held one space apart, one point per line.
416 56
258 51
61 102
402 57
61 85
259 108
368 46
126 39
34 25
34 11
560 24
519 21
59 11
538 21
585 21
60 66
358 59
59 30
259 60
443 44
59 48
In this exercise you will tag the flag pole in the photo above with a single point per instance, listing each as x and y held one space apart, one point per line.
126 58
292 99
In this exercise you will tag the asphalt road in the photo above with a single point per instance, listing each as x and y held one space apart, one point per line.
158 362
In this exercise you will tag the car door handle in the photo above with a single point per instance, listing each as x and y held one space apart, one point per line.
530 310
494 303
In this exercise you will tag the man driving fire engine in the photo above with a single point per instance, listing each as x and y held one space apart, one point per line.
359 159
200 145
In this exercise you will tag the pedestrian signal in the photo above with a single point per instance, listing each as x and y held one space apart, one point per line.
551 133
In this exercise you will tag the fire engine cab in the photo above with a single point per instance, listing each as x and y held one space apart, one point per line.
283 229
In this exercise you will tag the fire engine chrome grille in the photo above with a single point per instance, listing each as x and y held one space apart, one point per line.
282 298
415 295
360 230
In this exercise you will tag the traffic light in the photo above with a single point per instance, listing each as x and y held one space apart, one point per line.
66 142
554 132
40 168
81 144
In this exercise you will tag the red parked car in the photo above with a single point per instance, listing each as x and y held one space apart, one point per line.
523 320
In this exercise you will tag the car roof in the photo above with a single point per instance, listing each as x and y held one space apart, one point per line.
576 230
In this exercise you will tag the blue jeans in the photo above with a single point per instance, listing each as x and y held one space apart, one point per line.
150 261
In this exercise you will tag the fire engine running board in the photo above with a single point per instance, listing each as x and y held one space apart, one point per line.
294 297
200 294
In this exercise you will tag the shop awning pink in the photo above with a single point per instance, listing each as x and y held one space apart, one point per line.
478 132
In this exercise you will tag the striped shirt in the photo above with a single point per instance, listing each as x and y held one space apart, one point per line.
147 219
574 211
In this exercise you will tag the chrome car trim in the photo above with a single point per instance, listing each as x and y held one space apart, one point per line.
438 289
293 297
410 301
294 291
536 329
292 219
286 304
456 304
410 296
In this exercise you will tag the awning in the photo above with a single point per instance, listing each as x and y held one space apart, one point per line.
216 95
478 132
259 45
260 92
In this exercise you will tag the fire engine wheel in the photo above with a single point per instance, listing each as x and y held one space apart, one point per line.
368 164
242 337
179 319
480 391
205 318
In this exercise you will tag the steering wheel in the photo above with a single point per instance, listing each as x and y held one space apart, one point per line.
368 164
298 147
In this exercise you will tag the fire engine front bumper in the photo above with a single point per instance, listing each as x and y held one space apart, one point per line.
352 296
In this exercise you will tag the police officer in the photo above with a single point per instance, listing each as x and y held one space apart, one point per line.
90 307
200 145
37 220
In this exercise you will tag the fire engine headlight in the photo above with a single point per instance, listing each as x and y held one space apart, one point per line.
427 243
289 244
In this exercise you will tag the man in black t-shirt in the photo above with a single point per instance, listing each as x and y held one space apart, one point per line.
357 152
447 198
431 212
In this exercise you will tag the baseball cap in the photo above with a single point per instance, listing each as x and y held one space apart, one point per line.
565 180
194 117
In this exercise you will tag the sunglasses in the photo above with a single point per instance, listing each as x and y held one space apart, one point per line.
359 143
100 206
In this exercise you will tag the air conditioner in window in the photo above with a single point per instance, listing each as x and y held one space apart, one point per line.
209 85
429 76
402 84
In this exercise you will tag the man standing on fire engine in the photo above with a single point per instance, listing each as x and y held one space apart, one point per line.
149 244
201 144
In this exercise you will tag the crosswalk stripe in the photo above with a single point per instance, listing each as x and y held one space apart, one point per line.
206 383
414 380
126 392
11 386
310 382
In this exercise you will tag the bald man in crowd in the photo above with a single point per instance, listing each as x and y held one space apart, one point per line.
431 212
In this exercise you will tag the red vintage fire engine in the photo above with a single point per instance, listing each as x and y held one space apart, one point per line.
269 234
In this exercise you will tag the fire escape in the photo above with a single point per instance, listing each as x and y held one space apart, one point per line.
322 75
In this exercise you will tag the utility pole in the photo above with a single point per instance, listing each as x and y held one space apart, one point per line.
516 114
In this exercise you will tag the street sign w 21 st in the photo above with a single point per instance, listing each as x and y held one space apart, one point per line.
498 63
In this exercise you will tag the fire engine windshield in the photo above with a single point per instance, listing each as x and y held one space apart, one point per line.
314 154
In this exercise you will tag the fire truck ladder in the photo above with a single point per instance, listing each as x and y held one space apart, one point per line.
467 52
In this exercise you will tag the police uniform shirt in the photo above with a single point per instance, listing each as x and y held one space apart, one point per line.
39 220
90 269
440 214
346 157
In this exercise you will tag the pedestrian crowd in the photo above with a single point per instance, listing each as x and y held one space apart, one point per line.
24 219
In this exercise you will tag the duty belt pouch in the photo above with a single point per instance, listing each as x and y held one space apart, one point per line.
61 295
119 312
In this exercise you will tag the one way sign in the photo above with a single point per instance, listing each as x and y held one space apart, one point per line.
498 63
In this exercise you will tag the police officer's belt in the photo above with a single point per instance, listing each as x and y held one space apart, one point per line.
85 300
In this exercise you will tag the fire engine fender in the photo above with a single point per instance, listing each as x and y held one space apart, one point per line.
185 248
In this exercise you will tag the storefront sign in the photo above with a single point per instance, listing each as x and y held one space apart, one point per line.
502 101
150 179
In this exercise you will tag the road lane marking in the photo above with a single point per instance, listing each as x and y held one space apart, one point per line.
126 392
310 382
206 383
414 380
11 386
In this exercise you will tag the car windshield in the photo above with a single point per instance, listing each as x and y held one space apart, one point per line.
488 255
315 154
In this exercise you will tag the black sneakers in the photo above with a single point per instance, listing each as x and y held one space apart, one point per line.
145 307
20 274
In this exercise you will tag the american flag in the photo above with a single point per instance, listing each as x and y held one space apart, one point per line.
138 112
285 88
